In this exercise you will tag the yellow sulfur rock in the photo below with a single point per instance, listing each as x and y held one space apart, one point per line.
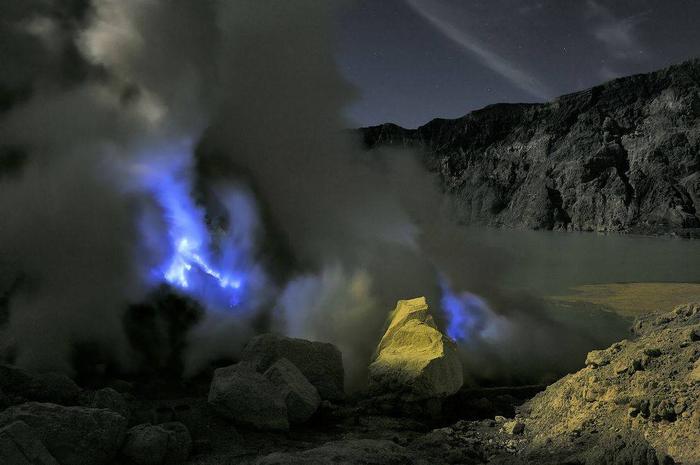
414 358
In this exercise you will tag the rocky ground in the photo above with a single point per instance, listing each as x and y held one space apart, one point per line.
623 156
636 402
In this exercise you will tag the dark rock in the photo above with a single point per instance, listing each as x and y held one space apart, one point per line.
514 427
19 445
652 352
110 399
191 416
619 450
350 452
618 157
73 435
166 444
597 358
300 396
179 443
41 387
321 363
146 445
4 400
243 395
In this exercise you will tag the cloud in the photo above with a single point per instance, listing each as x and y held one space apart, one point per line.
507 69
618 35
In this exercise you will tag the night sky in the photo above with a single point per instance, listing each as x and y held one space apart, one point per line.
415 60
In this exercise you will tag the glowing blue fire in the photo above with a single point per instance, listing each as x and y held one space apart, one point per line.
186 261
465 313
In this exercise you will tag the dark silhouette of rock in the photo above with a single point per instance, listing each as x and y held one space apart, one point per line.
73 435
622 156
320 362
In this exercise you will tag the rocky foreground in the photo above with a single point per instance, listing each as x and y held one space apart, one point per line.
622 157
636 402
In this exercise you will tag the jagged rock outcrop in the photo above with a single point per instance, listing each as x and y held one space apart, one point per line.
637 391
73 435
414 359
622 156
320 362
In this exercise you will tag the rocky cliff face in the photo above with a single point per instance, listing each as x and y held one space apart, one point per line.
623 156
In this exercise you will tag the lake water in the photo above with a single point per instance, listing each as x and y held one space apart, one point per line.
550 263
547 264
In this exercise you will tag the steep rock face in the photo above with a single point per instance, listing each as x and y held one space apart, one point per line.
414 358
623 156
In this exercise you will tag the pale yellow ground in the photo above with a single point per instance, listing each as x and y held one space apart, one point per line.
631 299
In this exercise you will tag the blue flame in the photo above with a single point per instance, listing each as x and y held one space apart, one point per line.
465 313
187 261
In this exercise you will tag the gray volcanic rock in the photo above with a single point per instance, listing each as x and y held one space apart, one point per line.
300 396
19 445
146 445
41 387
166 444
110 399
241 394
350 452
73 435
622 156
320 362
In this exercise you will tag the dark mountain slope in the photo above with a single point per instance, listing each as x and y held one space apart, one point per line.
623 156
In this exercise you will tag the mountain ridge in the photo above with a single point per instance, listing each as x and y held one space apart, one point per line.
623 156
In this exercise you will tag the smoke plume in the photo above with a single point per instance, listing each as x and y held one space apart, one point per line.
203 147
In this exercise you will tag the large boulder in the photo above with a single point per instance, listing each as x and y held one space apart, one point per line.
414 359
350 452
110 399
40 387
19 445
166 444
73 435
239 393
300 396
321 363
